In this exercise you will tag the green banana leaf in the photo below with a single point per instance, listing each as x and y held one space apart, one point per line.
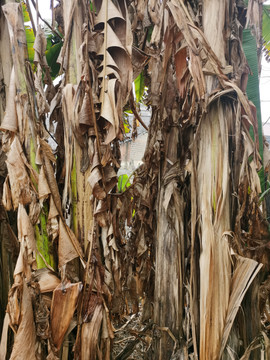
266 31
253 92
139 87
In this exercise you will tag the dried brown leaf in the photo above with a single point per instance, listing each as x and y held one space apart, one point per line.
181 70
64 303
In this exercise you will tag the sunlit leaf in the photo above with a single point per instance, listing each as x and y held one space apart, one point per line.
123 182
26 16
139 87
30 38
250 49
266 30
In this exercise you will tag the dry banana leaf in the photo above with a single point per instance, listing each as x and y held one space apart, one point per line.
64 303
22 190
9 121
25 337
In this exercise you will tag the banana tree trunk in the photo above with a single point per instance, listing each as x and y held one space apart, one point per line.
202 290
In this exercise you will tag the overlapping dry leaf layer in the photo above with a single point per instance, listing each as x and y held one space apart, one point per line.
187 240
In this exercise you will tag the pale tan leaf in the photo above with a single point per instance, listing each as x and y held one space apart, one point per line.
53 212
26 237
25 338
107 12
112 68
25 229
108 109
19 268
90 335
7 197
113 42
43 187
245 272
19 180
39 46
68 111
4 337
9 121
66 250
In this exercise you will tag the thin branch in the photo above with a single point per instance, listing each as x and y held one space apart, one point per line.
134 110
53 14
31 17
266 121
37 13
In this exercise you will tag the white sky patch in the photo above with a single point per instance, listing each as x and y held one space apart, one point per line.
265 96
265 92
44 10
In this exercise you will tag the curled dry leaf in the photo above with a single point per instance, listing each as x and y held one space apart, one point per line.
95 180
46 279
68 245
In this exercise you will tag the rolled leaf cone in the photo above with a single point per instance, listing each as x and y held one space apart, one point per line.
85 120
47 280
